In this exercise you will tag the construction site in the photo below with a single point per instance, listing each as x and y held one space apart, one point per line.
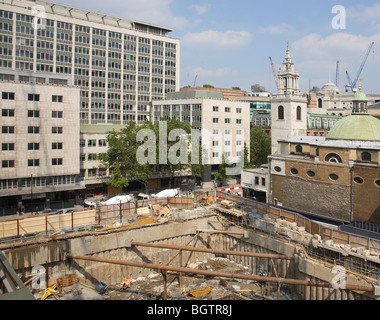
210 246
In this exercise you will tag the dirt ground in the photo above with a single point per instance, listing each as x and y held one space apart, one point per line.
152 287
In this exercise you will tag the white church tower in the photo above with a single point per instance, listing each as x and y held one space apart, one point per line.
289 106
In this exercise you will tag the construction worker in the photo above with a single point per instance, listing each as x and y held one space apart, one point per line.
183 290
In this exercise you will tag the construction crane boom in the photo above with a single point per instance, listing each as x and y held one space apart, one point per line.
352 84
337 74
274 72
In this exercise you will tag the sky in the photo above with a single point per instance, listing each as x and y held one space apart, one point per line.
227 43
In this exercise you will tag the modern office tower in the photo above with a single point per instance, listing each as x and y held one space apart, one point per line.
120 65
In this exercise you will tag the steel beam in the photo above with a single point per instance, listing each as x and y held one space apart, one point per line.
213 251
162 268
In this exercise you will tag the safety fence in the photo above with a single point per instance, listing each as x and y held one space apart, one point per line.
46 224
326 233
131 210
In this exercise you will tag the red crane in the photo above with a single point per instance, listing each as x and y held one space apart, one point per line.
274 72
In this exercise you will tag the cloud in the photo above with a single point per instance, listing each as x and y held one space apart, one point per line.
227 39
151 11
277 29
200 9
315 56
364 13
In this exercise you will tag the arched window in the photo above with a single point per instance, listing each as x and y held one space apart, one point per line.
366 156
298 113
280 113
298 149
333 157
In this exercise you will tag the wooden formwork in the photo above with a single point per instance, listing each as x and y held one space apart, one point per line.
310 226
39 224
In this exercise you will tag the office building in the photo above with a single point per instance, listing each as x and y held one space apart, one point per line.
120 65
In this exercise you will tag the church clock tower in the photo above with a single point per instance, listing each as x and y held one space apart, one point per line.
289 106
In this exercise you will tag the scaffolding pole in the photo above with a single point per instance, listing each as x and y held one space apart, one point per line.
162 268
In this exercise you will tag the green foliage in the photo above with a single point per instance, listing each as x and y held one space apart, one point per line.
260 147
222 174
236 88
208 86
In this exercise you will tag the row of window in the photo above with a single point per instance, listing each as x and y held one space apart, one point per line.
36 182
226 120
31 113
31 163
31 129
332 176
227 154
31 146
31 97
281 113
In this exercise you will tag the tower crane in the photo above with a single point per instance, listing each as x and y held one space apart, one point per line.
274 72
352 84
195 81
337 74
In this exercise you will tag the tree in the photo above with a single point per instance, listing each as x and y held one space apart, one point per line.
208 86
222 173
260 147
121 156
236 88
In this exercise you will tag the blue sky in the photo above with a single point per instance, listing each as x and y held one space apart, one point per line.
228 43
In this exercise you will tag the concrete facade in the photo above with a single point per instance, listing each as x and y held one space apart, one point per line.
223 125
120 65
39 139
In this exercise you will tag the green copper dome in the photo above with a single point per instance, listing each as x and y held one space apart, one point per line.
359 96
357 126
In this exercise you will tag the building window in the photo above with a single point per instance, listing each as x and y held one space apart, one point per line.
294 171
215 108
333 158
227 109
215 120
57 162
299 113
33 163
7 129
33 146
57 130
277 169
377 182
263 182
257 181
7 112
33 97
57 114
34 130
311 174
8 95
8 164
333 177
280 112
227 131
33 113
215 154
238 121
102 143
298 149
366 156
7 146
358 180
319 103
227 120
91 143
238 110
57 145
